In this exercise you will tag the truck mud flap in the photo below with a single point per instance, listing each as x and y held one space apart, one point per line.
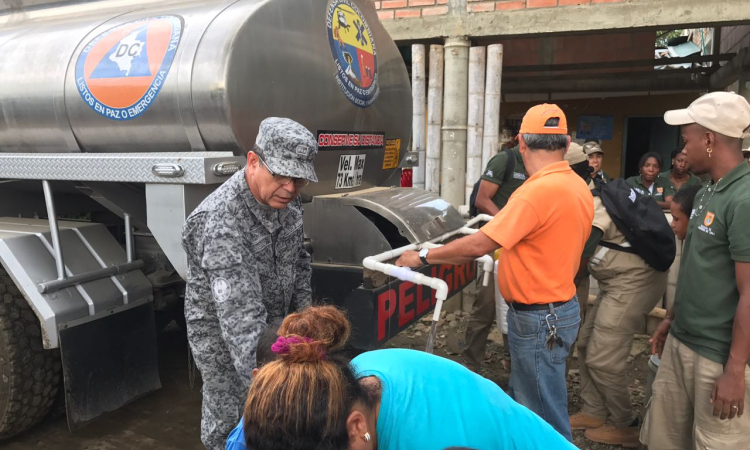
108 362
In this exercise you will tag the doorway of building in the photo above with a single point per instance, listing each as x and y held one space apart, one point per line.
648 134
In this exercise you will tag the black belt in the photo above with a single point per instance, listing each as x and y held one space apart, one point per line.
536 306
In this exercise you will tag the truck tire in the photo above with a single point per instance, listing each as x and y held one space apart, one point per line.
29 374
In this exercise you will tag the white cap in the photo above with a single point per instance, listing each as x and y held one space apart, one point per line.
723 112
575 154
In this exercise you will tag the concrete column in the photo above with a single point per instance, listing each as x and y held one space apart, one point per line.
492 98
455 112
434 119
418 108
477 60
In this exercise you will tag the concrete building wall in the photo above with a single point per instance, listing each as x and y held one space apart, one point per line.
403 9
578 48
410 20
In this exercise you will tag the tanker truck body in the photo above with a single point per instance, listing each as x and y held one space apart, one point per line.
117 118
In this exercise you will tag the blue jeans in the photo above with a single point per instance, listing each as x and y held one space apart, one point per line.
537 378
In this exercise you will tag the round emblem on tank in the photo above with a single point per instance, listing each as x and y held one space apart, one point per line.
353 51
120 72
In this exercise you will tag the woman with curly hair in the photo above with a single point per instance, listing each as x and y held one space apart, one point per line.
312 398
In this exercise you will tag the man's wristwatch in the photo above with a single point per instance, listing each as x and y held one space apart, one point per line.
423 256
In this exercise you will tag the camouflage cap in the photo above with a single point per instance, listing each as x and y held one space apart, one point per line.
592 147
288 148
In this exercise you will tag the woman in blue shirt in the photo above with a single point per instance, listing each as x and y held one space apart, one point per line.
312 399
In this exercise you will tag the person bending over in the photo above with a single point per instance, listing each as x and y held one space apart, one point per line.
312 398
263 355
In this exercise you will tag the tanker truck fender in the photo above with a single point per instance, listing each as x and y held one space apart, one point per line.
98 318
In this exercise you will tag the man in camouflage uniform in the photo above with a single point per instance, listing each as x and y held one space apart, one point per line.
246 267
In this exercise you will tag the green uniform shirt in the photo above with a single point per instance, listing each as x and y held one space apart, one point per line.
661 188
692 181
495 172
718 236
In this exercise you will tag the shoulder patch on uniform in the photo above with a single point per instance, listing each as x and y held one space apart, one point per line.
490 174
221 289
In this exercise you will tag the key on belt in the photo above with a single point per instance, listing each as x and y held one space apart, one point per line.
552 337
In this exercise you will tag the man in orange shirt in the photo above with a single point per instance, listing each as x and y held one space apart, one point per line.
542 230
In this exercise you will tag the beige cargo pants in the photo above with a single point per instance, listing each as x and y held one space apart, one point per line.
628 290
680 416
582 292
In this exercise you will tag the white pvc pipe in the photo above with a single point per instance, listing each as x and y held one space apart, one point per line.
434 120
465 229
450 234
492 99
441 287
391 254
488 266
475 123
455 114
396 252
406 274
418 108
479 218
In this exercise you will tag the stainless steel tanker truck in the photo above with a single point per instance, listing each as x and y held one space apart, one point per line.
118 117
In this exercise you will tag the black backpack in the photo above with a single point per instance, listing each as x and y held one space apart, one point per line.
641 220
509 166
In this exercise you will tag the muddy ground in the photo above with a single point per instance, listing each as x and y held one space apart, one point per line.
449 340
170 418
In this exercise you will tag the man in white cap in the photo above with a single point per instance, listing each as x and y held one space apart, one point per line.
703 383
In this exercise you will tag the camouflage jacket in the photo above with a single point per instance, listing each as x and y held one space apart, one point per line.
246 267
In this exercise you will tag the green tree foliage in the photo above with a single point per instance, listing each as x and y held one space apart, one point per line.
663 36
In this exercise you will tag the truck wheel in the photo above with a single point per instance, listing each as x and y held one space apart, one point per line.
29 374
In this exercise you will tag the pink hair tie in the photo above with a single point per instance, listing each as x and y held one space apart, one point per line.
281 346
